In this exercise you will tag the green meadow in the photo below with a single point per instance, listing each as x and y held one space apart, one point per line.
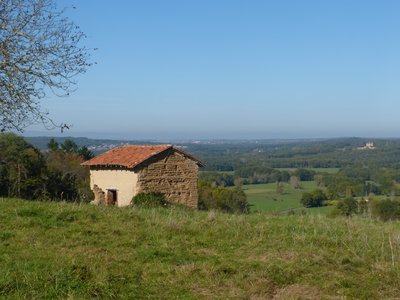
70 251
264 197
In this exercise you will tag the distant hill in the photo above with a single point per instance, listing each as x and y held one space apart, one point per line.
96 145
229 155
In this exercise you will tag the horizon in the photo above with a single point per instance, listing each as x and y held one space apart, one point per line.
37 134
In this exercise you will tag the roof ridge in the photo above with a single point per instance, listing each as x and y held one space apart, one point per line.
140 145
128 156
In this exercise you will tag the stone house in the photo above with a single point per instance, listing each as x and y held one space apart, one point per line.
121 173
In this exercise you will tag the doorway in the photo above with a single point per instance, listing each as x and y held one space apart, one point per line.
112 198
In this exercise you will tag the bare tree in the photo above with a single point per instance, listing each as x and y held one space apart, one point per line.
40 52
295 182
280 189
319 180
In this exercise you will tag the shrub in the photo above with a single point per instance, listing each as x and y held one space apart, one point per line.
330 202
221 198
347 207
386 209
149 200
305 174
313 199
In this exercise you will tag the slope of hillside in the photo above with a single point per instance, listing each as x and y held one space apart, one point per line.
58 250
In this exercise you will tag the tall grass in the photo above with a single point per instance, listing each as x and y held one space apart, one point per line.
59 250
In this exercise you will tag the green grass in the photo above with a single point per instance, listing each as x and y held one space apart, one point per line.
58 250
324 210
263 197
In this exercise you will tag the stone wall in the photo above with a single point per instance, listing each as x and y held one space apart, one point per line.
171 174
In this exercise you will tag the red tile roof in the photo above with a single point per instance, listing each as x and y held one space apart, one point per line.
132 155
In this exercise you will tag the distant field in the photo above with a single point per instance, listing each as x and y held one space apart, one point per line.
318 170
264 197
324 210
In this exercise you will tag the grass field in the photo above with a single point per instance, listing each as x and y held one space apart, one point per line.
67 251
263 197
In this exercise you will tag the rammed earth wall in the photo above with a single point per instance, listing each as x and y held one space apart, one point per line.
172 175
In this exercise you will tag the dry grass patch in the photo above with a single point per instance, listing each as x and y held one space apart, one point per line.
298 292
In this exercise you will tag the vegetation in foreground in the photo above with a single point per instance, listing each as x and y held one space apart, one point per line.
59 250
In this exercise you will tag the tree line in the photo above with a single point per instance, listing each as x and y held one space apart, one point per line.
331 153
55 175
257 175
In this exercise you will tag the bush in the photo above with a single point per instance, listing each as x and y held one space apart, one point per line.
305 174
331 202
225 199
313 199
386 209
149 200
347 207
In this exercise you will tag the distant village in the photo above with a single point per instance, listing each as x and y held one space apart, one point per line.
105 147
179 143
367 146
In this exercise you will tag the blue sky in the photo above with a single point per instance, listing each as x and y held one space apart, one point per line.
236 69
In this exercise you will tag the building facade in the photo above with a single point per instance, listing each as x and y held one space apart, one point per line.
121 173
